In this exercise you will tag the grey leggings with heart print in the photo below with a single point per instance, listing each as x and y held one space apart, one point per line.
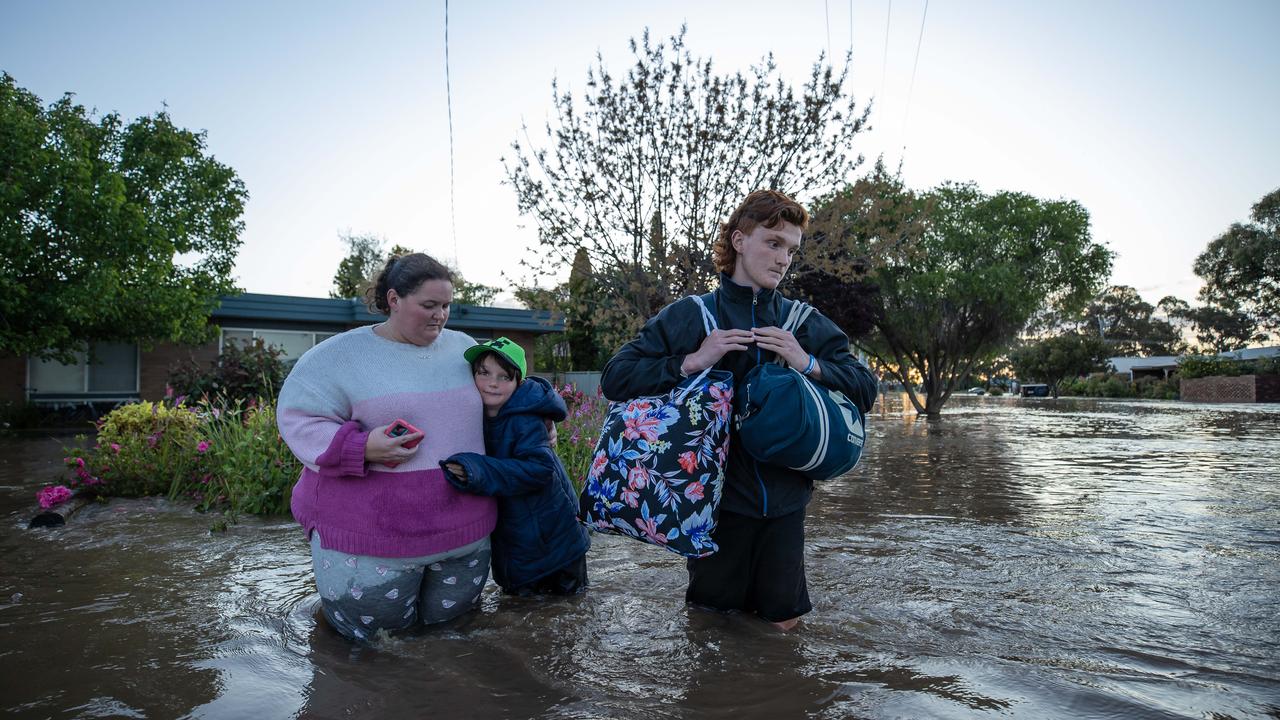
361 594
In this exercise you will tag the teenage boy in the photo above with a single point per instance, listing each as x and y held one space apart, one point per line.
760 565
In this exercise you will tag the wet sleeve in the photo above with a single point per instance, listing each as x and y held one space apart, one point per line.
840 369
650 364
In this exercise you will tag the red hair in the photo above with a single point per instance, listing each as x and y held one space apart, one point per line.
762 207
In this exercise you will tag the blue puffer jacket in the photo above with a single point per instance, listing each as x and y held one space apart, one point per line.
538 530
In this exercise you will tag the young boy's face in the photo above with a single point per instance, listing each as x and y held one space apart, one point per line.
495 385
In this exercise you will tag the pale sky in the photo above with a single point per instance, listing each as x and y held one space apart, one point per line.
1159 117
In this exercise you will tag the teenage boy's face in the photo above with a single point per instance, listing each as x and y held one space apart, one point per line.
495 385
764 254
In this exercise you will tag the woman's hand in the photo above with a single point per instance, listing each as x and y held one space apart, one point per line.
713 347
383 449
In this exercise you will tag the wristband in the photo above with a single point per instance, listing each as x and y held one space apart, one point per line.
808 368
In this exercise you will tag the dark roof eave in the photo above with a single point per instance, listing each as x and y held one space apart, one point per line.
349 311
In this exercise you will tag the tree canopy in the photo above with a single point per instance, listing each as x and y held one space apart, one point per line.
950 276
1241 270
638 171
1053 359
1128 325
365 259
109 231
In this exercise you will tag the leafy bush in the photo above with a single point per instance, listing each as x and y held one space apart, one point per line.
243 372
1198 367
142 449
225 458
577 435
995 391
249 467
1119 386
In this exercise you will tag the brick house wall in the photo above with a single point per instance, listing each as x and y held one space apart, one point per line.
153 368
13 379
1240 389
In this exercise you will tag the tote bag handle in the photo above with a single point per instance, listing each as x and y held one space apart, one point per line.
708 324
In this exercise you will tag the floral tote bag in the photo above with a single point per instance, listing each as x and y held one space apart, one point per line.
657 473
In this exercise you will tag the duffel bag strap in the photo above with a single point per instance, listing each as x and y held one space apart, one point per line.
797 313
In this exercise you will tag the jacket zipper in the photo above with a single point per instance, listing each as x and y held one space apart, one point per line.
764 493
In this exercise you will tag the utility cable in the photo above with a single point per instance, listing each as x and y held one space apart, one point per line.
911 88
826 15
884 64
448 94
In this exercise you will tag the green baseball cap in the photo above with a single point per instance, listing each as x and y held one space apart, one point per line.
506 347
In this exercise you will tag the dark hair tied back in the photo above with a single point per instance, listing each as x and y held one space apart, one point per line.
404 274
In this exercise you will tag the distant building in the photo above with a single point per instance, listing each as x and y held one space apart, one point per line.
294 324
1163 366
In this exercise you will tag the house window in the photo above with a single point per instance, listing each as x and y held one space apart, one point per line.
113 372
293 343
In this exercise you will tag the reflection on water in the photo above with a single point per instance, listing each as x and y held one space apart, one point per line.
1027 558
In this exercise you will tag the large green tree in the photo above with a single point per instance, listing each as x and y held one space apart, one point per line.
1129 325
364 260
108 231
1053 359
639 170
957 274
1241 270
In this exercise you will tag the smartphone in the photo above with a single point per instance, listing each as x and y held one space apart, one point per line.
400 427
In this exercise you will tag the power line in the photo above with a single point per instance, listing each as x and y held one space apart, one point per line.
826 15
884 64
448 94
911 88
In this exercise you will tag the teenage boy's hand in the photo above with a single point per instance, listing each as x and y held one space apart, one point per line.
716 345
552 435
785 345
381 448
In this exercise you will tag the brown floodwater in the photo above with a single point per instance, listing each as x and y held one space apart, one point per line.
1015 558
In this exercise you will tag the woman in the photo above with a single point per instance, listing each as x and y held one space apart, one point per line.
393 545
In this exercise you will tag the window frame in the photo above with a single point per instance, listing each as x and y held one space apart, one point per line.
84 394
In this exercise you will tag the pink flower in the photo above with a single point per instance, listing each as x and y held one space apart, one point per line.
693 491
53 495
630 497
638 477
689 461
645 427
598 464
203 447
115 447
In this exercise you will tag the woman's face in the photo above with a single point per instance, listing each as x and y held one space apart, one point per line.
418 318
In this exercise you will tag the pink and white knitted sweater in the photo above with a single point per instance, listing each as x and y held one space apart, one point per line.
348 385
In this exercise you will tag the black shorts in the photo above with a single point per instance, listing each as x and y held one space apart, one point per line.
759 567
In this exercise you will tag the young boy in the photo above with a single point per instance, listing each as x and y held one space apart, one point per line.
538 547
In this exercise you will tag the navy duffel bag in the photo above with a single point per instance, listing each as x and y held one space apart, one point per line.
784 418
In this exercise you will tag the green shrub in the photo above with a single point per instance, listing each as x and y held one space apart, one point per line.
243 372
995 391
225 458
249 467
142 449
